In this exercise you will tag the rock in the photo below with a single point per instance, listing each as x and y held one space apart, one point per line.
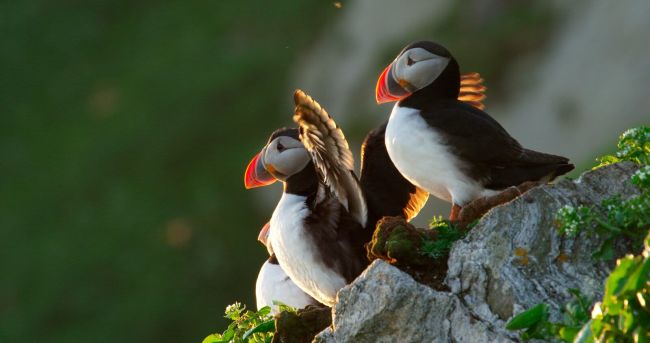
387 305
511 260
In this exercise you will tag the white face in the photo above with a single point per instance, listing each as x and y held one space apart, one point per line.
285 156
417 68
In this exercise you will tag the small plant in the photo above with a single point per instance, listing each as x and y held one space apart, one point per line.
633 145
623 315
247 326
631 217
446 235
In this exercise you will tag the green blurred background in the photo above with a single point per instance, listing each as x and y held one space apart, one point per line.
125 128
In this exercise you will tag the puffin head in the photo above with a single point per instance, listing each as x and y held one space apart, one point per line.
283 156
418 66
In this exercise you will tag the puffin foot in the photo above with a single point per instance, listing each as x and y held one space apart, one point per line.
477 208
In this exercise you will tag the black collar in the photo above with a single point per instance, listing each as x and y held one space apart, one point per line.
445 87
303 183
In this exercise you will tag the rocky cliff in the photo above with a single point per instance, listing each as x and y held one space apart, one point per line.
511 260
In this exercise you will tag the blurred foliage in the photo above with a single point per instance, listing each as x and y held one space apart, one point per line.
623 315
630 217
536 325
125 130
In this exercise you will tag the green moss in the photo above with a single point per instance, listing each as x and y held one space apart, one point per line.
399 243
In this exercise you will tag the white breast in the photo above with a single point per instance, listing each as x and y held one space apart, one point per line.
421 156
273 284
296 251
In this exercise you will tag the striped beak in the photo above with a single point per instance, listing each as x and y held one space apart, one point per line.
256 175
388 89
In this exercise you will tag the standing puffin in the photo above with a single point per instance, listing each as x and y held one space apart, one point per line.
449 148
273 284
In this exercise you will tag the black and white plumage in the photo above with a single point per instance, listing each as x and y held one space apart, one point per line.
316 240
388 193
451 149
313 211
274 285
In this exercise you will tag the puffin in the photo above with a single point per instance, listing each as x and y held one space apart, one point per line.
445 146
326 214
386 191
273 285
318 231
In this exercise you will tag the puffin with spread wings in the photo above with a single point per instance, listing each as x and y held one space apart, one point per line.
317 236
322 221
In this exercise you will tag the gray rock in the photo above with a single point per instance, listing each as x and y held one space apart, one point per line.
513 259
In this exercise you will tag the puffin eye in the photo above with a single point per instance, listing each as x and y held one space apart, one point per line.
280 147
409 61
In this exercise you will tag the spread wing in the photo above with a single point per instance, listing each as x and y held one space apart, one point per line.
472 90
330 153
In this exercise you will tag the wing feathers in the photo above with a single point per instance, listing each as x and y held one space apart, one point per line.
331 154
472 90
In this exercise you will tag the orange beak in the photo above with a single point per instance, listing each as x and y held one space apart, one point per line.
256 175
388 89
264 233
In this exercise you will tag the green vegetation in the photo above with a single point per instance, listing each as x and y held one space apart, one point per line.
289 325
445 237
623 314
246 325
633 145
535 322
630 217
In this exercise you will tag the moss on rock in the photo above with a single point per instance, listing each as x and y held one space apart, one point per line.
400 244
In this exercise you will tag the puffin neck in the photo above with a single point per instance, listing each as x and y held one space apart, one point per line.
445 87
304 183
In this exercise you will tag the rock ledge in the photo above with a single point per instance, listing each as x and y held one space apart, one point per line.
513 259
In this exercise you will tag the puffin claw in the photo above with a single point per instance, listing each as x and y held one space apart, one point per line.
477 208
